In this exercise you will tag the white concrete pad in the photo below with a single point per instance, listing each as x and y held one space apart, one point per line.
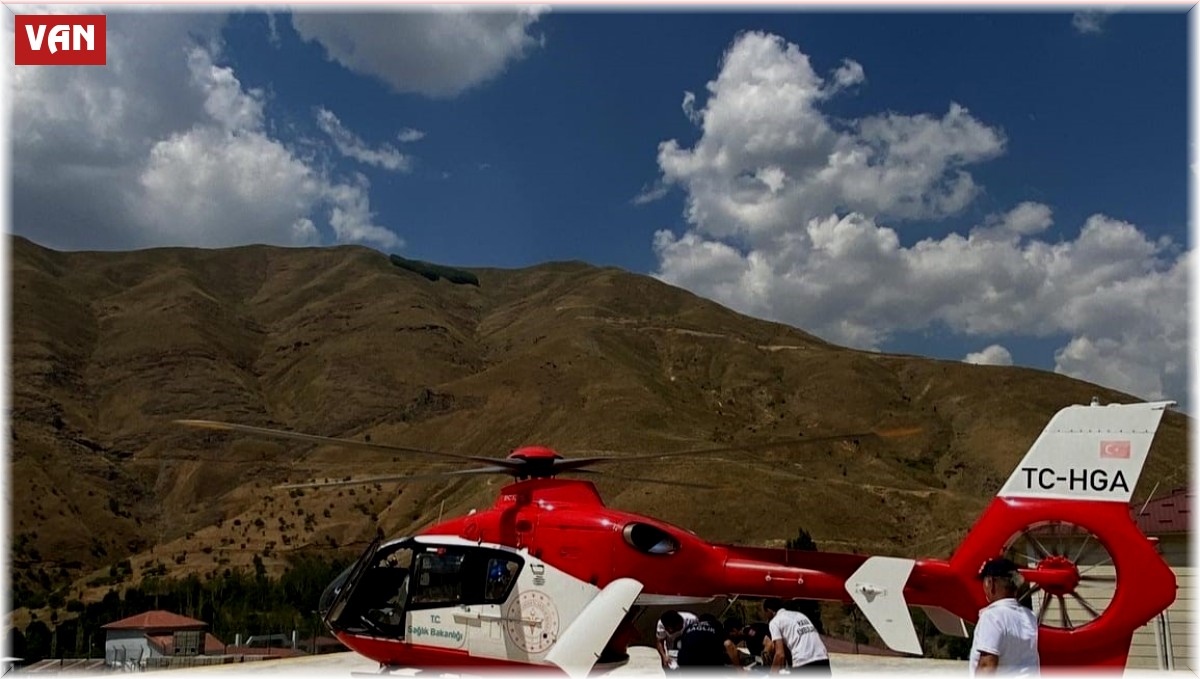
643 661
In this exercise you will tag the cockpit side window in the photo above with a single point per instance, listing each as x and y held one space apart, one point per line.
378 600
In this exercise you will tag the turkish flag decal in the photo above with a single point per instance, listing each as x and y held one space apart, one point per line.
1117 449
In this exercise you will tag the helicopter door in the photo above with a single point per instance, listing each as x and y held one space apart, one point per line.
338 593
372 598
456 596
495 574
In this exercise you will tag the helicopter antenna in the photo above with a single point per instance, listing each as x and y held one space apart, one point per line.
1149 498
440 510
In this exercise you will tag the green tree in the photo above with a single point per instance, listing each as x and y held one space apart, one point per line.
37 641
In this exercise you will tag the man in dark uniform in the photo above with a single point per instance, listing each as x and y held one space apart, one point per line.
702 645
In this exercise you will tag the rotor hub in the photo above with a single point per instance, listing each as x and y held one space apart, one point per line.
1057 575
536 462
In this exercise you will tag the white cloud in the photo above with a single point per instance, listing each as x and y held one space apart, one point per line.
849 74
651 193
78 134
224 99
1090 21
689 107
351 216
991 355
408 135
439 52
211 187
1119 295
273 32
351 146
763 114
164 146
788 219
1026 219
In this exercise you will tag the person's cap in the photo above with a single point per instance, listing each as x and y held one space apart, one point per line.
997 568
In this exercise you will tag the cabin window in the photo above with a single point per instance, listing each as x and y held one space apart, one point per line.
439 579
467 577
650 540
502 572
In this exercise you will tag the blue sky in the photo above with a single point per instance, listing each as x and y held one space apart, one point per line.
1002 184
1096 123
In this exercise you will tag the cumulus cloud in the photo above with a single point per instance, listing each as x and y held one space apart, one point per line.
793 218
992 355
769 158
351 146
1026 219
1090 21
438 52
165 146
224 99
849 74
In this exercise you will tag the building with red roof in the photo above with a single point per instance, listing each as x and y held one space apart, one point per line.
133 641
1168 515
1166 643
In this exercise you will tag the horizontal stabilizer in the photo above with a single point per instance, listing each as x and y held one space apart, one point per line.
878 589
577 650
946 622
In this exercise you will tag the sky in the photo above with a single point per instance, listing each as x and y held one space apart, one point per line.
1001 188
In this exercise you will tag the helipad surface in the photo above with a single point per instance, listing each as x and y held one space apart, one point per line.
643 661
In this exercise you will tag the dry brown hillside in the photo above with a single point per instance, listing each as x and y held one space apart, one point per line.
108 348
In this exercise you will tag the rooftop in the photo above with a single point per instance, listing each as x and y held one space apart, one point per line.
157 620
1165 514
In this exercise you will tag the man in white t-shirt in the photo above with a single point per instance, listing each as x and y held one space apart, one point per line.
671 626
794 632
1006 636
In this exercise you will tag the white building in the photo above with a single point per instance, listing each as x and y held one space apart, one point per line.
131 642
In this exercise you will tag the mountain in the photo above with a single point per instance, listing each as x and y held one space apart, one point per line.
108 348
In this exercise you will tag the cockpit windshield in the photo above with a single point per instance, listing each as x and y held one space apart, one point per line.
412 575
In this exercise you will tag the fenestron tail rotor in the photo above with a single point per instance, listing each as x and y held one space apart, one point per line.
523 463
1090 582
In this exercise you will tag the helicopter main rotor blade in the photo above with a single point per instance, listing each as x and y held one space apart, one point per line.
564 465
346 443
685 484
397 478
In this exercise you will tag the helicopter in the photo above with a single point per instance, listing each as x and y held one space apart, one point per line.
549 576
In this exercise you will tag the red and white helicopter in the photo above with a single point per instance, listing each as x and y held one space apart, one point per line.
550 576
